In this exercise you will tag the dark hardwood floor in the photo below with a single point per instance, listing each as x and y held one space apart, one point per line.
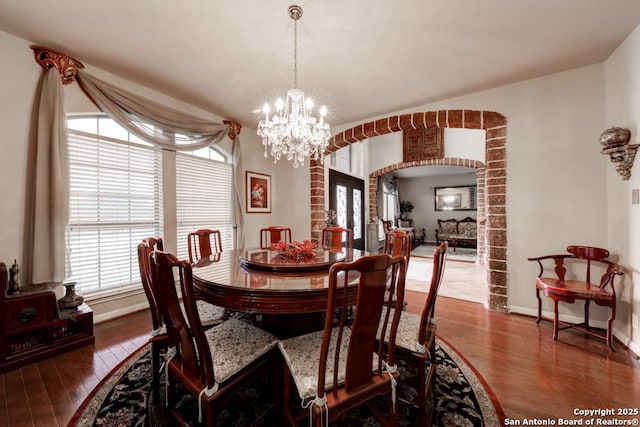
531 375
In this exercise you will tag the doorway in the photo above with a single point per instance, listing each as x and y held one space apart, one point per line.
346 197
492 228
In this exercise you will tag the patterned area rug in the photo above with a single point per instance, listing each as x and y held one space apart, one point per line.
124 398
460 254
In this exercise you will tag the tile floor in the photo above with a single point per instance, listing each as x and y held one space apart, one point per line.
462 280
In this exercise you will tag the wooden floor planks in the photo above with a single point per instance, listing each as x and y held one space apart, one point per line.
531 375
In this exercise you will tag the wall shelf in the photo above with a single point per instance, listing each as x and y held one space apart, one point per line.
624 157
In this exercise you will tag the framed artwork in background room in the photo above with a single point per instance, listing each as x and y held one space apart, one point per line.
258 192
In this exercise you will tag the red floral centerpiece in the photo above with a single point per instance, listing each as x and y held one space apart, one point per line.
297 250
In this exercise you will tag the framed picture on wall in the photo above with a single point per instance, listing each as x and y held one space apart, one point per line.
258 192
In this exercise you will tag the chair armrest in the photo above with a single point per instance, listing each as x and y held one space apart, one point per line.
608 277
540 258
558 260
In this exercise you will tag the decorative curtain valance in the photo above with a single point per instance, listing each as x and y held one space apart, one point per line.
162 126
389 183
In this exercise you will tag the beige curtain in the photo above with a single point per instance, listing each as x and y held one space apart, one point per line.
159 125
51 185
171 129
391 185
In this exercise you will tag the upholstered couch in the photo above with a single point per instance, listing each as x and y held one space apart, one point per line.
456 232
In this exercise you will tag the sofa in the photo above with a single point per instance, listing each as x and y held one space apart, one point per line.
458 232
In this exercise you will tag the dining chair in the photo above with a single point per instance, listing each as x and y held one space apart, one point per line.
202 243
211 364
337 238
349 368
573 271
416 346
158 338
398 243
210 314
274 234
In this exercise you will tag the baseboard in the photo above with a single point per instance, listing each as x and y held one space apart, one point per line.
617 333
110 315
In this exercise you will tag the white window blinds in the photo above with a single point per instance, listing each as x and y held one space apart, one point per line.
204 191
115 202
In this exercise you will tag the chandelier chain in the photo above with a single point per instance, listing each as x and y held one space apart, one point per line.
295 53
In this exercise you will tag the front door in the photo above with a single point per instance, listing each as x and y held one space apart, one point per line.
346 197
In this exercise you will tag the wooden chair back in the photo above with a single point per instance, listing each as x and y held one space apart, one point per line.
428 311
203 243
145 248
187 335
398 243
274 234
386 226
375 274
593 254
337 238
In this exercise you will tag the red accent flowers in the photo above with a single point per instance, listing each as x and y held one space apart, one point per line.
296 250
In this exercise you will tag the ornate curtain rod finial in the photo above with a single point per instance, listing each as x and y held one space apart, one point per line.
234 128
66 66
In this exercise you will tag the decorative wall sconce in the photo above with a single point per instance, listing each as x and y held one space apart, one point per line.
615 142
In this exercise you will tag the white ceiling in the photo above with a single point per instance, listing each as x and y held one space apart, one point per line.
362 58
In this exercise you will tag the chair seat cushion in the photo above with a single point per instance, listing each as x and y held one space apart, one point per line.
572 289
302 355
210 314
235 344
407 335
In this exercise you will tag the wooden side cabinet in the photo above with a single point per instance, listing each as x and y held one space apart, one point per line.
33 329
422 144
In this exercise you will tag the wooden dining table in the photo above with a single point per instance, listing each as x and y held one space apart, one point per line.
290 296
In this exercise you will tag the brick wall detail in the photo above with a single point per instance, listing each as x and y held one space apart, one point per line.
491 177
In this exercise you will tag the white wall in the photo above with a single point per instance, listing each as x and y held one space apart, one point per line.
464 144
556 177
384 150
19 77
622 83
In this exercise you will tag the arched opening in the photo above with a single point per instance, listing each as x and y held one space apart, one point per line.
480 178
492 224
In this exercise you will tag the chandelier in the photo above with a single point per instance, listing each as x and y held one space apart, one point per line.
293 130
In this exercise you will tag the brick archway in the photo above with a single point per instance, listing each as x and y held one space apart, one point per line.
480 179
492 177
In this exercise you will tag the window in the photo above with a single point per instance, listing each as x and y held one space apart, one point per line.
388 209
204 196
116 191
115 200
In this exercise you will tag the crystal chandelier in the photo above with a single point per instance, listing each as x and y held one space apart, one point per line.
293 131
